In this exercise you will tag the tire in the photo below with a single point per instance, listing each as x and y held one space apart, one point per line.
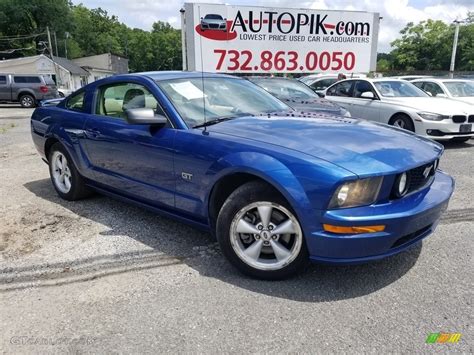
460 139
249 242
27 101
402 121
66 180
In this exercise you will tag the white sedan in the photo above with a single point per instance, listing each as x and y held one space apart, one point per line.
456 89
402 104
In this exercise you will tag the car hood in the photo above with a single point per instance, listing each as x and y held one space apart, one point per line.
362 147
439 105
313 105
467 99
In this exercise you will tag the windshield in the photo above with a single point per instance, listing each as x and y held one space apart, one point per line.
222 98
399 89
286 89
460 88
213 17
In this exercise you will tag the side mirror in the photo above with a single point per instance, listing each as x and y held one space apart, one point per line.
429 93
202 18
144 116
367 95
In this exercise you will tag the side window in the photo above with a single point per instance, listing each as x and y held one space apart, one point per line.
27 79
433 88
341 89
3 79
114 100
76 102
363 86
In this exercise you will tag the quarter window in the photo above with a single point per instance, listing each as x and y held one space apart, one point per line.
114 100
3 79
76 102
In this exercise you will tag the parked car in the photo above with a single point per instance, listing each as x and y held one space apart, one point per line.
400 103
456 89
222 154
320 84
298 96
213 22
28 90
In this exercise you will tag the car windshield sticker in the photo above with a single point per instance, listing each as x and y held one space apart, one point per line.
188 90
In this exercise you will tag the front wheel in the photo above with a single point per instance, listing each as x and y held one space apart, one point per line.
403 121
66 180
259 233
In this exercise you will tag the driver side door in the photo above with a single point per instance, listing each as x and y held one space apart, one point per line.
130 159
366 108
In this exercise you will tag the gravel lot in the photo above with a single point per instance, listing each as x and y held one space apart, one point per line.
101 276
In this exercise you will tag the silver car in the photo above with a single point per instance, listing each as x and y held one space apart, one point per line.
28 89
213 22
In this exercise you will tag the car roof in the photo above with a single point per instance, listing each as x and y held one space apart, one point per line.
443 79
170 75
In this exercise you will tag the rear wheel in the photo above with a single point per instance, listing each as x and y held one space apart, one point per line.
402 121
260 234
27 101
65 178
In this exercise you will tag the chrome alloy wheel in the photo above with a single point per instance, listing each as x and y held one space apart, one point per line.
27 101
266 236
61 172
400 122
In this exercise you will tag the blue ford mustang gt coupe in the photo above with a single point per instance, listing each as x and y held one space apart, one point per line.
276 187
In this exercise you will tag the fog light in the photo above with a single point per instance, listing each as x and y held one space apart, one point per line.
401 185
354 229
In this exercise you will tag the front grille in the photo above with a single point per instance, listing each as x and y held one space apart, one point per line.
471 119
417 179
459 119
409 237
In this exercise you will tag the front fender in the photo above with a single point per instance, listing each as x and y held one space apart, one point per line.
307 185
266 168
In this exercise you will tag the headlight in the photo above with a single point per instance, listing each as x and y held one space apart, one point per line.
356 193
432 116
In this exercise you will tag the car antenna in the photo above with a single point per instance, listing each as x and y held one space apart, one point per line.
202 79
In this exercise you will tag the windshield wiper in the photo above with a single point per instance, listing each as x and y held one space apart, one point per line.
215 121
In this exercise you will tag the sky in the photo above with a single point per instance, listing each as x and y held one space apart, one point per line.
396 13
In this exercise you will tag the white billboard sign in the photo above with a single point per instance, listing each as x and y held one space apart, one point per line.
248 39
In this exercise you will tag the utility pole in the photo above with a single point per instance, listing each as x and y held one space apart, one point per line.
66 34
56 44
455 46
50 46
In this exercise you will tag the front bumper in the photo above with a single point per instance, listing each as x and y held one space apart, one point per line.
442 130
407 221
